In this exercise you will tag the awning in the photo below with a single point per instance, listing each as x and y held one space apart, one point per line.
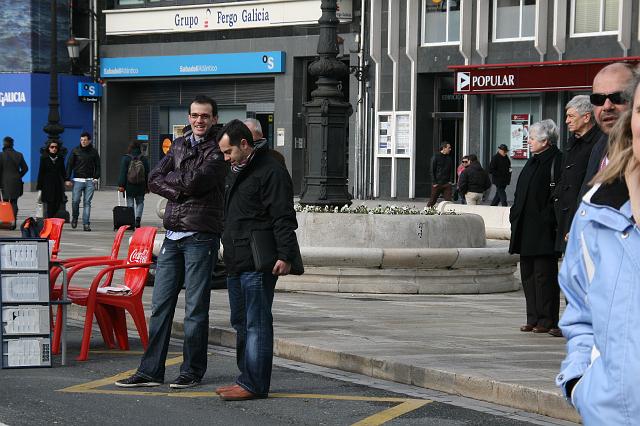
527 77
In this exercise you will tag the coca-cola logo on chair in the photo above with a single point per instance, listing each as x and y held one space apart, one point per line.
139 255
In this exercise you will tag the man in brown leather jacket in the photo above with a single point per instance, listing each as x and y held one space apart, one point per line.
191 177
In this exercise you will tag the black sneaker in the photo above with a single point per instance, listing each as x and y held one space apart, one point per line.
86 227
74 223
183 381
136 381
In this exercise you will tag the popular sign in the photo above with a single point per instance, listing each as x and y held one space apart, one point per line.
251 14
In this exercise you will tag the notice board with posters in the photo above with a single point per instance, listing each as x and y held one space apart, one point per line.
519 136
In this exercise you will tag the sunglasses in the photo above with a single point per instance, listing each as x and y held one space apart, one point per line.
598 99
53 147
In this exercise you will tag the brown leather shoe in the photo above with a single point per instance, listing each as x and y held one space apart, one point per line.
239 394
527 327
223 389
539 329
555 332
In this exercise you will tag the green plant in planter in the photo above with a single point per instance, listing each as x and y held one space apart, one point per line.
363 209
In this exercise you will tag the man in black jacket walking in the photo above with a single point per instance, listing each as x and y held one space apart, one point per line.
12 169
441 174
83 169
258 197
474 180
500 171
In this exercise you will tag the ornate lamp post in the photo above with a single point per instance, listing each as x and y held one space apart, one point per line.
327 118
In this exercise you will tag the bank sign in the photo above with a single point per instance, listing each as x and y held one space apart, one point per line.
185 65
225 16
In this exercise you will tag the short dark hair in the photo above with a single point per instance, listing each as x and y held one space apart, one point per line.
204 99
7 141
135 144
472 158
443 145
236 130
85 135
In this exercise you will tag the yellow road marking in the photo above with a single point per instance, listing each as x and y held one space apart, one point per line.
405 404
392 413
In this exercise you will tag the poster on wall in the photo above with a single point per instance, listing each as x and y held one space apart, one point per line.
403 135
384 135
520 136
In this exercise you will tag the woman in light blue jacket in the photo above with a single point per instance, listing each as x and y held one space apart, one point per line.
600 277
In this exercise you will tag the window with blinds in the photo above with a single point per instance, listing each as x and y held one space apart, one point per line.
441 21
514 20
594 17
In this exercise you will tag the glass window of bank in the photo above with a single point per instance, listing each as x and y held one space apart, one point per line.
503 108
594 17
513 20
441 22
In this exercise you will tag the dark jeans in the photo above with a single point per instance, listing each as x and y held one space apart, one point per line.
444 189
500 197
190 261
541 290
14 207
250 299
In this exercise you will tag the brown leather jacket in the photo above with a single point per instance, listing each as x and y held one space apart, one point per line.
192 180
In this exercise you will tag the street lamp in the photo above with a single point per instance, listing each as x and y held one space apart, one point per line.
327 117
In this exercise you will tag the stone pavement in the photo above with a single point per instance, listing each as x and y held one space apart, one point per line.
460 344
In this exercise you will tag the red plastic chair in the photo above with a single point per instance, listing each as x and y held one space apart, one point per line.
52 231
102 316
136 268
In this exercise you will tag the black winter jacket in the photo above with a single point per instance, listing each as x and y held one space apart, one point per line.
84 162
441 169
574 168
192 180
532 216
500 170
259 197
474 179
12 169
598 152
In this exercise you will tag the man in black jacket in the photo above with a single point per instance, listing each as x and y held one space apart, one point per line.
474 180
258 197
584 135
441 174
191 178
500 171
84 166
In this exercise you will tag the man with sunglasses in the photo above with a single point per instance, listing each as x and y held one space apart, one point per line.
191 177
609 102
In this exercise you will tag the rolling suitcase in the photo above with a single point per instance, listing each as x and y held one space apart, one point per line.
123 215
7 219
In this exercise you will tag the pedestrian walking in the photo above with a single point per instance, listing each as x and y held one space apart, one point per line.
83 172
51 179
600 279
474 180
500 171
12 169
584 135
134 171
533 229
191 178
259 197
441 173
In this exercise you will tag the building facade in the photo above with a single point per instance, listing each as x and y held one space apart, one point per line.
476 74
250 56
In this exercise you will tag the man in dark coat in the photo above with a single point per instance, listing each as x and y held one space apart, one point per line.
500 171
258 197
584 135
83 169
51 178
533 229
441 174
474 180
609 101
12 169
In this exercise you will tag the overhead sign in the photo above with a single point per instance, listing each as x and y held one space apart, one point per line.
212 17
213 64
528 77
89 92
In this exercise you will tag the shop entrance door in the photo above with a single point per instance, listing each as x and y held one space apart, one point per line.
449 129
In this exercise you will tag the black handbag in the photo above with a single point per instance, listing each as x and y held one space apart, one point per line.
265 252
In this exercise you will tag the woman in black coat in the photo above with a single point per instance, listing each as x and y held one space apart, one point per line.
12 169
51 178
533 229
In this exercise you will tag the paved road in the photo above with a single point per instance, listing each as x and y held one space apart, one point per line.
83 393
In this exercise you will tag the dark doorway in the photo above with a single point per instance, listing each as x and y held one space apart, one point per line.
266 122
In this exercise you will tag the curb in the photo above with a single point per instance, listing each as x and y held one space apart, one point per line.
484 389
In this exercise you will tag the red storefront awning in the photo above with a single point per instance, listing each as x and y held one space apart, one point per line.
527 77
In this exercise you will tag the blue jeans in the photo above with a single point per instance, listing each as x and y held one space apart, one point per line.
250 300
190 261
80 188
139 200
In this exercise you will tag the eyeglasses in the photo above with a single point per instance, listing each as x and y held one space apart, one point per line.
195 116
598 99
53 147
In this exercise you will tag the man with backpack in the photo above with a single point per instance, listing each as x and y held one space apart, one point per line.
134 170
